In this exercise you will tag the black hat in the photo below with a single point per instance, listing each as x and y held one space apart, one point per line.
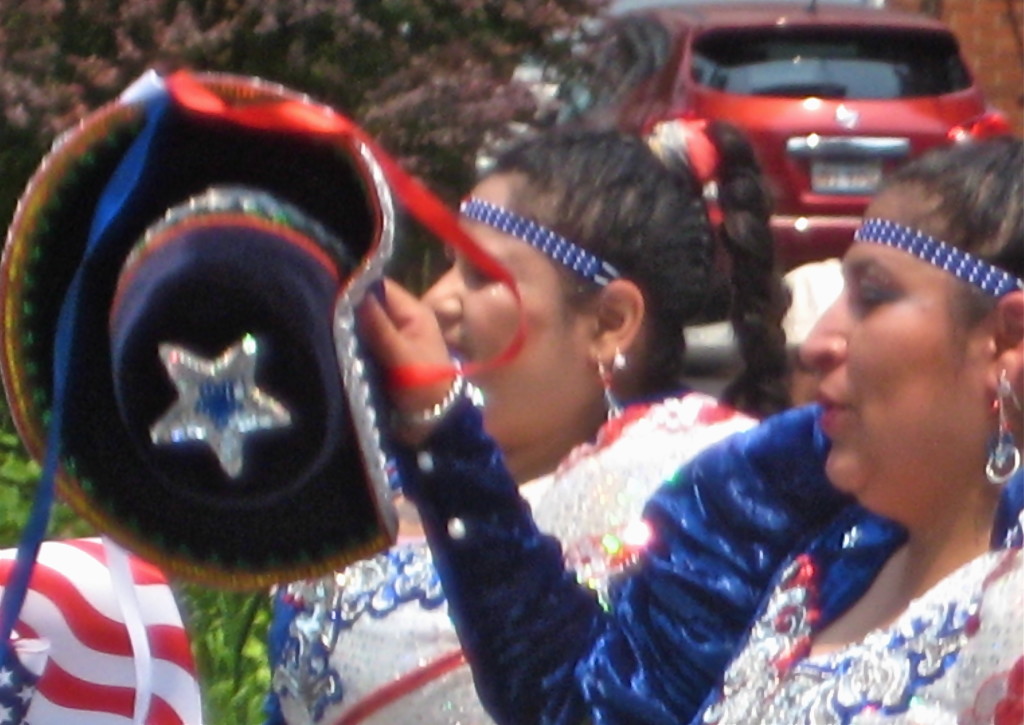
178 288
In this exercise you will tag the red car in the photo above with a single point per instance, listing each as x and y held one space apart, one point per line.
832 97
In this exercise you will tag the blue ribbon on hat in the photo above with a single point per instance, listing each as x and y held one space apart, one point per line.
114 198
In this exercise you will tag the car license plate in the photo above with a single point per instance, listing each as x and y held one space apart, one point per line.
845 177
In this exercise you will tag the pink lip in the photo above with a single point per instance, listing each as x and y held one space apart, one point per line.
831 417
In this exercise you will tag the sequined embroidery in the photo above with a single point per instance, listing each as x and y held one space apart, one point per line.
600 560
372 587
773 680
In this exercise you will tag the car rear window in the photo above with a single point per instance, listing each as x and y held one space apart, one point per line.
829 63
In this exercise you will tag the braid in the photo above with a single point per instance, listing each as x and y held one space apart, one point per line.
759 299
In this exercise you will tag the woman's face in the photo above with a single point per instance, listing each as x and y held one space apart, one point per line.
549 397
904 384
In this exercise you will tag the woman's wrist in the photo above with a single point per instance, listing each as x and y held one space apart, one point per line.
414 427
437 411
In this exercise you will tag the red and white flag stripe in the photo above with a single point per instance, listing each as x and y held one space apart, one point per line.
91 676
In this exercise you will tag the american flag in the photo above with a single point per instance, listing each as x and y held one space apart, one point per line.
92 675
18 679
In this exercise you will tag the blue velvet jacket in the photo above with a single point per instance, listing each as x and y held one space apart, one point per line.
541 647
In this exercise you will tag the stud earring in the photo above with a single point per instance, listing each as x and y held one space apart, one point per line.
1003 456
618 361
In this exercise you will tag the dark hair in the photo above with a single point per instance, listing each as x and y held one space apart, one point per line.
972 197
978 190
609 193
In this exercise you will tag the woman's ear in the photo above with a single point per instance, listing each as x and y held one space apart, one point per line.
1009 338
620 316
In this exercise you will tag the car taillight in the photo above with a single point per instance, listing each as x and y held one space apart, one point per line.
989 124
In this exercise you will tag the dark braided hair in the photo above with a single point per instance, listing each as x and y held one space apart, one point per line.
759 296
609 193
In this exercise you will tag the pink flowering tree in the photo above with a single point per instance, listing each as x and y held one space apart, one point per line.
431 79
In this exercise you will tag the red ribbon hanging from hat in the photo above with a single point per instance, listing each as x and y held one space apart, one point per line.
309 119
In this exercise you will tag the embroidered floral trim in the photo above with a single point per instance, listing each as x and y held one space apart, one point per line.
773 680
778 639
677 415
373 587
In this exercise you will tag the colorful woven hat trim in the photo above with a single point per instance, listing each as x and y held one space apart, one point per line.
27 386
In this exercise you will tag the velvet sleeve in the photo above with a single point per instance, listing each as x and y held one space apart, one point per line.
541 648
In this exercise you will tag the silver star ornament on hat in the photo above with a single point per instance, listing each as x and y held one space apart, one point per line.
218 403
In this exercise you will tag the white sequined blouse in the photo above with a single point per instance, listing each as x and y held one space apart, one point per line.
373 644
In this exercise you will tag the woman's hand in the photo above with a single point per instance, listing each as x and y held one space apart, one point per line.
403 334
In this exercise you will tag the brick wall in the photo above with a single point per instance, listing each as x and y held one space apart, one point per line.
991 34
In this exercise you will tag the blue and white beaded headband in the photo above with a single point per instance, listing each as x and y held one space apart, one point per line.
551 243
963 265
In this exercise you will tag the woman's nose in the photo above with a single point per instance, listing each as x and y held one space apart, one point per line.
826 344
443 297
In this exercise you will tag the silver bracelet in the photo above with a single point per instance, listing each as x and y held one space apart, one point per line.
438 410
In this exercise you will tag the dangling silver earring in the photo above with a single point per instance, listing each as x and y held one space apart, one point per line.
611 402
1003 455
